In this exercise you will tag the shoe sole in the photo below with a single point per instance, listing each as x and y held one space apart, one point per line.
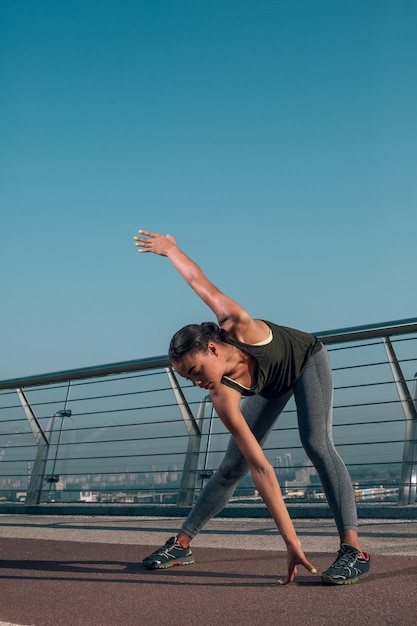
168 565
328 580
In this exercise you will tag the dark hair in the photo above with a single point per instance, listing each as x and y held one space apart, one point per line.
193 337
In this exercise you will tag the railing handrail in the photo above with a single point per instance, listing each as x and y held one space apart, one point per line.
369 331
354 333
95 371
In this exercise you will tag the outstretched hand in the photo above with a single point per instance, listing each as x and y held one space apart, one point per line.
153 242
295 556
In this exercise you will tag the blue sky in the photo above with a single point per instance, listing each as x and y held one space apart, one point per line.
277 140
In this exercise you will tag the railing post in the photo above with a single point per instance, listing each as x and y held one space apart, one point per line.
413 486
43 440
194 429
407 489
33 495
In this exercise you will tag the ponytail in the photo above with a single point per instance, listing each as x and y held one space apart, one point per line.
194 337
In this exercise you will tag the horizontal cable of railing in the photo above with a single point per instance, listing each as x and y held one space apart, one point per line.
149 437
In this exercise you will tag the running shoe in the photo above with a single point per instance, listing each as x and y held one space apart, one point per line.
170 554
350 566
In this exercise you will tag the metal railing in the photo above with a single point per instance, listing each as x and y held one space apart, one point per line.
115 433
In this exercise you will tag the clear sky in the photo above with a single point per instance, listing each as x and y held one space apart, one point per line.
277 140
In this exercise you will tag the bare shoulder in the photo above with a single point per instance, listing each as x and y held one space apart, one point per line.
247 329
226 401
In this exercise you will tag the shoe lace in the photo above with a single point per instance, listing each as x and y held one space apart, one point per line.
164 550
344 559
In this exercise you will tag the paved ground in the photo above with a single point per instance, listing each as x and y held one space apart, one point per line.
78 570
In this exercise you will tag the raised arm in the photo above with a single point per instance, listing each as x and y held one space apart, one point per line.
230 315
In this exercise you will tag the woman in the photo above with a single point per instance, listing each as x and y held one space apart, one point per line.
267 364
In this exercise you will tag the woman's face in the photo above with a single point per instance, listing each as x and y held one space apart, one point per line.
203 369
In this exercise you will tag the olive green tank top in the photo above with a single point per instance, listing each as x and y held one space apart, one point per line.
280 360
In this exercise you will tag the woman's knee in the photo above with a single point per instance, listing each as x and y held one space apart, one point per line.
317 447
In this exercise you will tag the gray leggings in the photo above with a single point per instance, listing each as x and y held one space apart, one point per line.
313 394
